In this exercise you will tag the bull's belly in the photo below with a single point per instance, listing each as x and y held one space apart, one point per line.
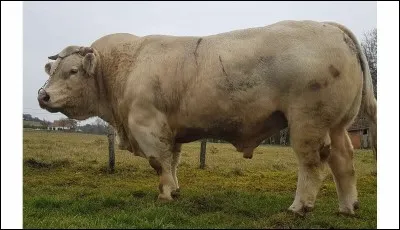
237 133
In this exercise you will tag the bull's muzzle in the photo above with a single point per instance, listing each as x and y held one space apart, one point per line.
43 97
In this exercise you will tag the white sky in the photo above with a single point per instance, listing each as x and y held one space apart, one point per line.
48 27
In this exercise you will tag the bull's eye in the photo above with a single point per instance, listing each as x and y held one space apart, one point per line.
74 70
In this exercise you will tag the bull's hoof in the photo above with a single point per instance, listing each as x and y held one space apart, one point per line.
247 156
346 211
176 193
300 209
356 205
164 198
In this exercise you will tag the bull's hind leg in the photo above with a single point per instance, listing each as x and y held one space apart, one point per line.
341 164
311 143
154 137
176 154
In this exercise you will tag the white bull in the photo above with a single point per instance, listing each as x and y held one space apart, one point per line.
240 86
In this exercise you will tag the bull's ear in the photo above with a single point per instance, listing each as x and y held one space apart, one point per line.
89 63
47 67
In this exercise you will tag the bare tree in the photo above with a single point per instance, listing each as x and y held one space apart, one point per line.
100 126
100 123
45 123
369 45
72 123
63 122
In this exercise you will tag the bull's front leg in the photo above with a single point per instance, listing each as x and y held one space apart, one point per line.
154 137
163 168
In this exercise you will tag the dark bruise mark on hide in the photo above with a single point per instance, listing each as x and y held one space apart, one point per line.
155 165
222 66
326 83
335 72
314 85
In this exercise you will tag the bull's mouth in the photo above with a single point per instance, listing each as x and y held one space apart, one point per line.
54 110
68 111
49 108
62 110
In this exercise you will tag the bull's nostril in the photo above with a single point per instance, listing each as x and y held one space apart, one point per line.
43 97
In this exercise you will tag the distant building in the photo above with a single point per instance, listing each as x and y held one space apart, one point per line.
358 133
60 125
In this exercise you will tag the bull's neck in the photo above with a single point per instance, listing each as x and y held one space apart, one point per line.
108 90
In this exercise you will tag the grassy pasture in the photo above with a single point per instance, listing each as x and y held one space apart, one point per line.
66 185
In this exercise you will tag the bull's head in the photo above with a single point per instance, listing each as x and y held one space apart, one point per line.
71 87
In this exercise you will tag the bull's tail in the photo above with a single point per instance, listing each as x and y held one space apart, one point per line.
368 103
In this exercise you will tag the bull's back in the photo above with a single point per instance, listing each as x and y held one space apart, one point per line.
244 76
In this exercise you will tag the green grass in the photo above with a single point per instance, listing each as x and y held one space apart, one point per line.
67 185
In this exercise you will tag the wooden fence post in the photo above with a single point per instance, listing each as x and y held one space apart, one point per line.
111 153
203 153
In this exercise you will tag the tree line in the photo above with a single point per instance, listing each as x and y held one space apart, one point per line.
97 127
